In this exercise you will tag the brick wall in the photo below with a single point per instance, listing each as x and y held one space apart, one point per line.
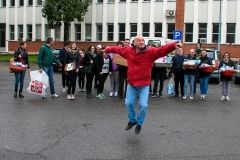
33 47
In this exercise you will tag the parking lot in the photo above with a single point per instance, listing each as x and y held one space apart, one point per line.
57 128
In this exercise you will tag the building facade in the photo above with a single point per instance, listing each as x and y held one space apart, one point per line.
113 20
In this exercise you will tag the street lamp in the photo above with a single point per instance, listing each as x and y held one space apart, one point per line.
219 25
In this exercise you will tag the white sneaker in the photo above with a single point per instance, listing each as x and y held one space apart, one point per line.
201 97
227 98
55 95
191 97
64 89
73 98
223 98
116 94
184 97
69 96
111 94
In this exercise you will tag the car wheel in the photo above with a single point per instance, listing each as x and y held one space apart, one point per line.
55 69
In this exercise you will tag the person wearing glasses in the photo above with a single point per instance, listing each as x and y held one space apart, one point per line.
89 58
189 76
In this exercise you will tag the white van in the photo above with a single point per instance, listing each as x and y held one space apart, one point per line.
158 41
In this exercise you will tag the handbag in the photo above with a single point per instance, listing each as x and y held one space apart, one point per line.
70 67
87 68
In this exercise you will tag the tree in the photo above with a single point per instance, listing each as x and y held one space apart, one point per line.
58 11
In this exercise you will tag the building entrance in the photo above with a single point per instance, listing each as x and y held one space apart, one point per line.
2 36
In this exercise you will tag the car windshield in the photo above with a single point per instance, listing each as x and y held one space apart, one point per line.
56 51
210 54
154 42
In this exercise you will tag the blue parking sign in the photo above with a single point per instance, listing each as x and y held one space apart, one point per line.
177 35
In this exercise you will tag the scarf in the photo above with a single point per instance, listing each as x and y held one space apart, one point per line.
82 55
93 54
21 51
226 60
73 51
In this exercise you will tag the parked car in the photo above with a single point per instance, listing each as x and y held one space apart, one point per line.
56 55
237 75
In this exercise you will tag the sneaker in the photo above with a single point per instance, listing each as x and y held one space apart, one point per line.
73 98
103 96
55 95
99 96
184 97
43 97
64 90
137 129
153 95
83 90
80 90
227 98
191 97
69 96
160 94
116 94
157 94
130 125
204 97
111 94
201 97
223 98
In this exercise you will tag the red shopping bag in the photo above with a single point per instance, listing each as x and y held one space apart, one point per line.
36 87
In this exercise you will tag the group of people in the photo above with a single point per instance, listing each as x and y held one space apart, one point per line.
98 61
185 76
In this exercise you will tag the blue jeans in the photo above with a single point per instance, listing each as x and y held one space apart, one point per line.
49 72
204 84
142 103
190 79
19 77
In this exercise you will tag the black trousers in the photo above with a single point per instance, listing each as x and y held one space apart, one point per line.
65 79
89 77
179 78
122 79
72 82
81 79
101 80
95 80
195 81
160 75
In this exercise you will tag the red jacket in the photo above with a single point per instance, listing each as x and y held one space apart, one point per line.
140 64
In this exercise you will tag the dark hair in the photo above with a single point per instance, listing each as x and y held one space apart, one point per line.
226 53
200 44
67 42
22 43
119 42
49 40
127 39
89 49
81 49
204 50
72 44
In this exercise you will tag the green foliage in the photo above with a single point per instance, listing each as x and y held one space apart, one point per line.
66 11
31 58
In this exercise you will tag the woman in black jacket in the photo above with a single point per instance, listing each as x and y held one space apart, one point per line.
103 68
204 76
226 80
72 56
89 59
21 55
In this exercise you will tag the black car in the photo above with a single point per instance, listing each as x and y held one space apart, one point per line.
56 56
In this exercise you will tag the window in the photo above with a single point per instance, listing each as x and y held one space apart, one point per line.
145 29
30 2
99 32
202 32
111 1
121 31
188 32
11 28
123 1
29 32
3 3
215 33
110 32
230 33
134 0
158 30
47 32
133 28
21 2
20 32
88 33
58 33
12 2
78 31
171 28
38 31
100 1
39 2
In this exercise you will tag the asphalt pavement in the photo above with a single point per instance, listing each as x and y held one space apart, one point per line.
33 128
